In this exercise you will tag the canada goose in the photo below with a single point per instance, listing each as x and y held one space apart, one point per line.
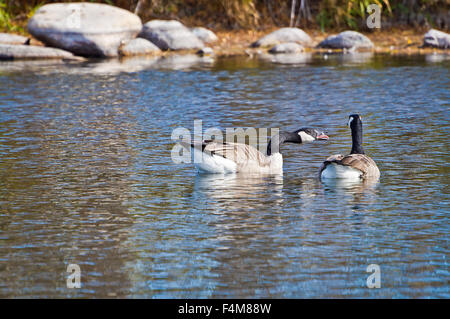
218 157
356 165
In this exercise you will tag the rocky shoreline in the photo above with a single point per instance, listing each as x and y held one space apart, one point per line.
76 31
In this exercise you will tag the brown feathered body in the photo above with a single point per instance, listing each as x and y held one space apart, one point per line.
350 165
218 157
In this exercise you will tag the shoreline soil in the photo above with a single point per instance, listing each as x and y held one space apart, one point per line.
393 41
238 42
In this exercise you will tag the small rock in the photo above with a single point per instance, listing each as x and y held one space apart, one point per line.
138 46
164 24
346 40
170 34
289 47
7 38
13 52
87 29
436 39
284 35
207 36
205 51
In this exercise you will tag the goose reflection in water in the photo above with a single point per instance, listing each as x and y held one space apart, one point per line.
354 192
241 203
246 214
234 188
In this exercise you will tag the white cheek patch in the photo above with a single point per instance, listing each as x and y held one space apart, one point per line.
349 121
305 137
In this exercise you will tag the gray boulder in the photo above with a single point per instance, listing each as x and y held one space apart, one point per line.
289 47
14 52
170 34
207 36
346 40
436 39
87 29
284 35
7 38
138 46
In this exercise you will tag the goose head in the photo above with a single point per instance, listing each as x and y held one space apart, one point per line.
303 135
354 121
307 135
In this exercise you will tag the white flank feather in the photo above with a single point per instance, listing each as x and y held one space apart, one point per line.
334 170
214 164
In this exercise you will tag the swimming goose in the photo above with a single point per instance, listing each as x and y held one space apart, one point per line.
356 165
219 157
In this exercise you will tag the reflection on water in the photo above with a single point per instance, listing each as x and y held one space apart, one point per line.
238 188
41 66
350 186
86 177
352 192
437 57
288 58
350 58
109 66
184 61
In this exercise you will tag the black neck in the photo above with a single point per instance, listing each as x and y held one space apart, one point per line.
277 140
357 139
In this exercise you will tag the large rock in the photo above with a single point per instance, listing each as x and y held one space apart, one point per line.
284 35
289 47
436 39
7 38
88 29
170 34
346 40
138 46
207 36
14 52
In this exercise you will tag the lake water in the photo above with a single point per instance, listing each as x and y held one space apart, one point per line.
87 178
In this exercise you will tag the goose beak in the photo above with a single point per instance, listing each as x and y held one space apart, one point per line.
322 136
